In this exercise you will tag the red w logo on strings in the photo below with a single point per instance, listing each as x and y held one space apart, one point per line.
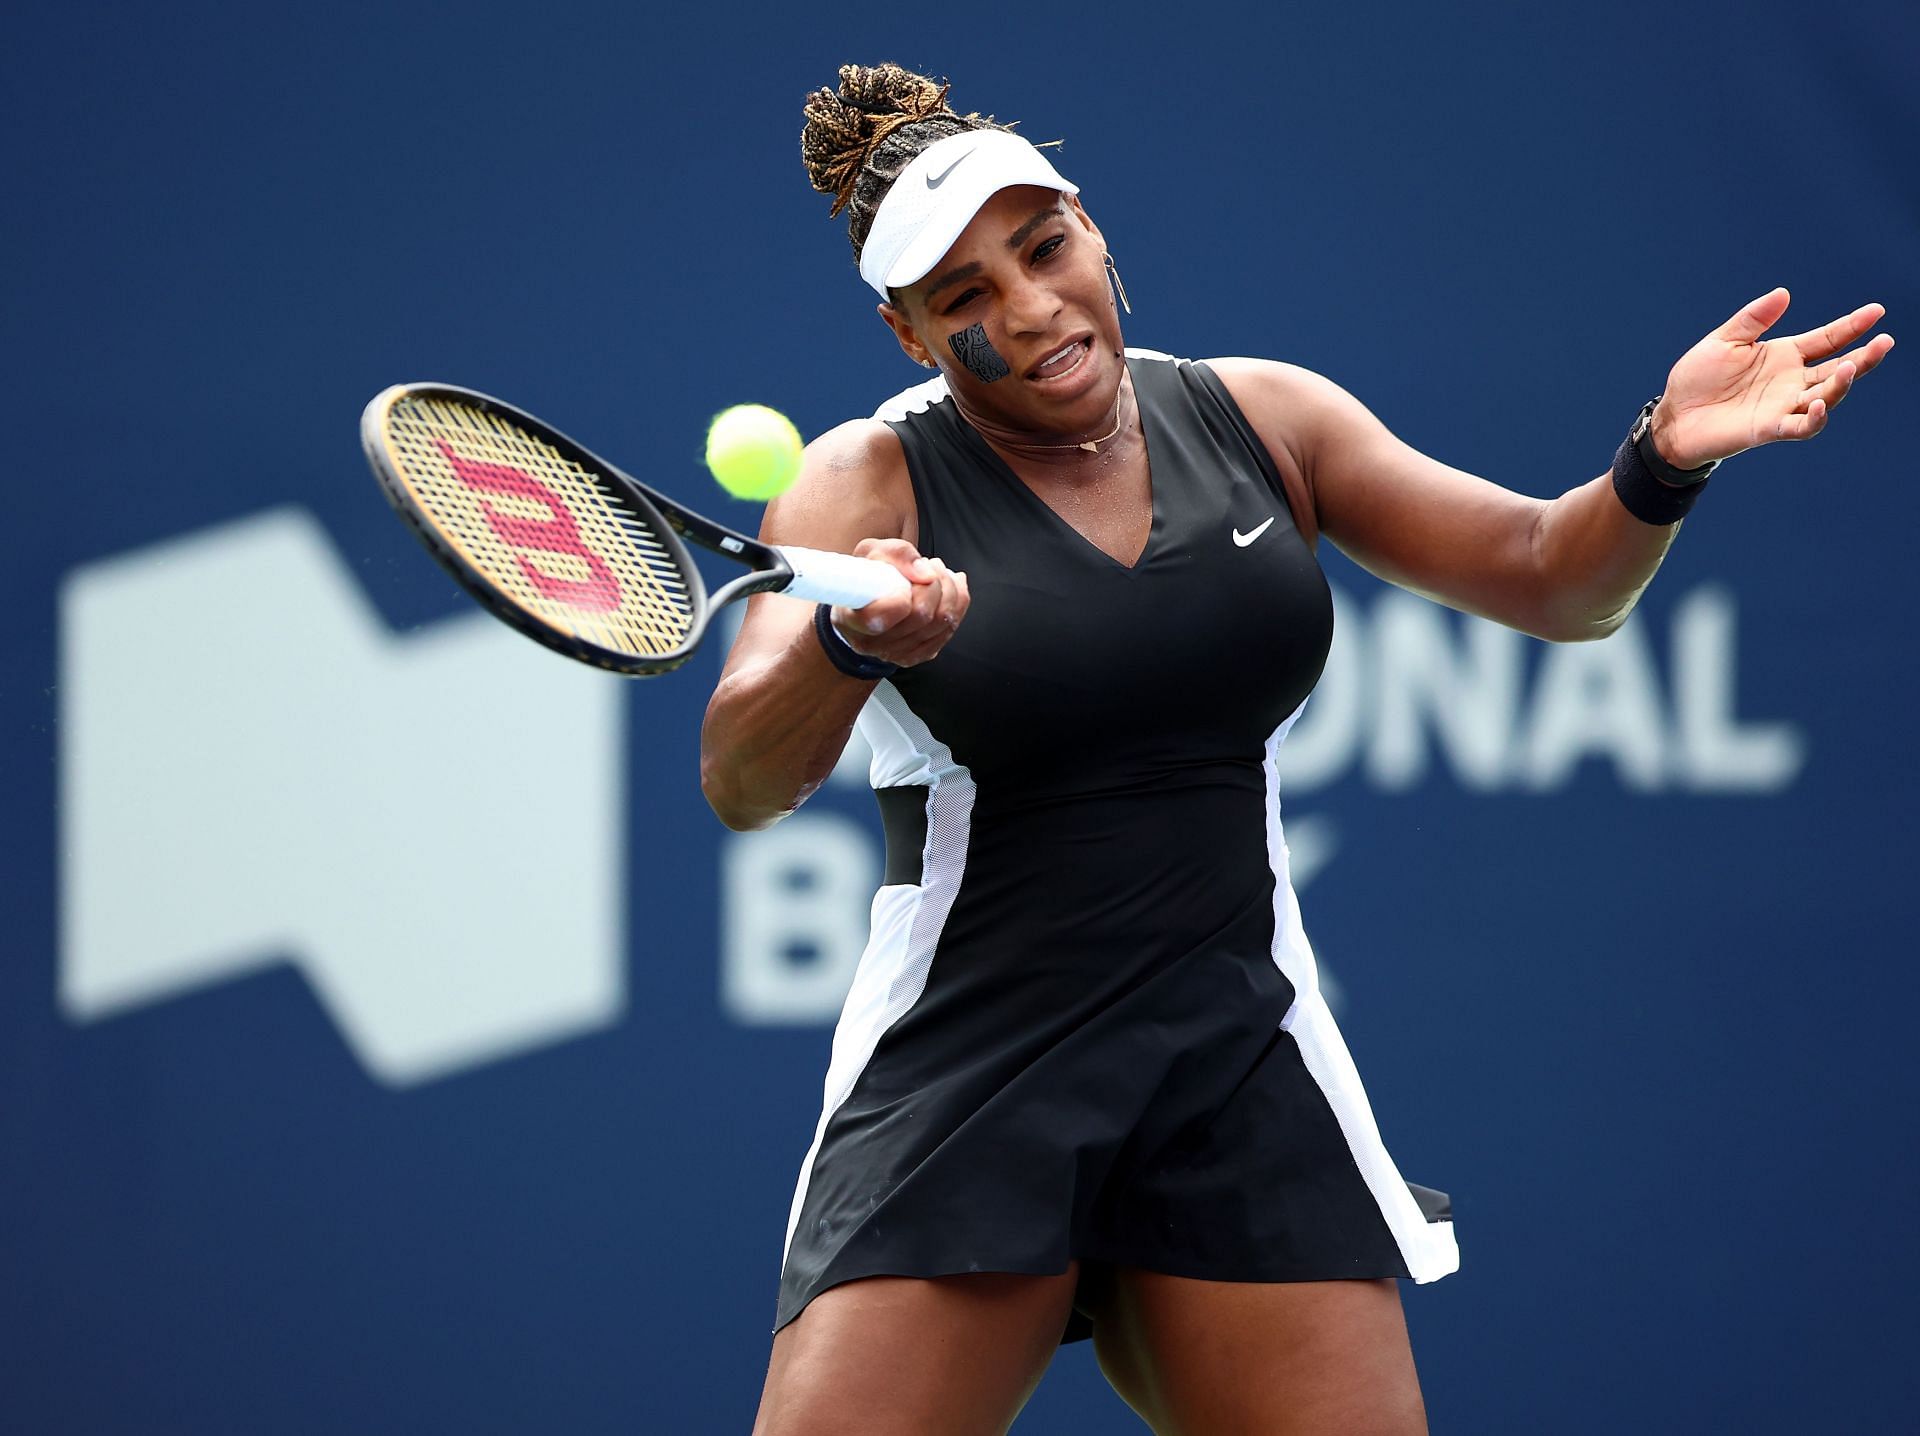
556 533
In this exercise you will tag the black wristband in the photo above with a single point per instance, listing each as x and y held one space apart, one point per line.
841 654
1652 490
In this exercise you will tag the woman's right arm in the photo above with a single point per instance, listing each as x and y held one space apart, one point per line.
781 713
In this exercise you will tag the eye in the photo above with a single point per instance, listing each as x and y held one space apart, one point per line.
962 302
1049 248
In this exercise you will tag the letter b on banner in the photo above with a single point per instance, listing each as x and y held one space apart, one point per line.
794 902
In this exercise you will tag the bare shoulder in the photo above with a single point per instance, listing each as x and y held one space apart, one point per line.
853 484
1289 396
1289 408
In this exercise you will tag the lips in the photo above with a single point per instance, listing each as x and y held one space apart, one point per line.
1060 362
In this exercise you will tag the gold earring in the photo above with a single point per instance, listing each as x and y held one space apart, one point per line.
1119 288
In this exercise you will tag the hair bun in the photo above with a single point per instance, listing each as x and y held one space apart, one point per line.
891 90
858 139
843 129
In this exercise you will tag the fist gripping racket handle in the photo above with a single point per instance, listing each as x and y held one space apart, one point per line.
839 578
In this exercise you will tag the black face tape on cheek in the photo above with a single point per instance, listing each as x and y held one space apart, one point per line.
973 349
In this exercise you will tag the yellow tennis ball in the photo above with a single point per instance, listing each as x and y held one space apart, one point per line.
753 451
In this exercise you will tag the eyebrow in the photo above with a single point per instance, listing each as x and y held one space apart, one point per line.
1014 241
1040 217
952 276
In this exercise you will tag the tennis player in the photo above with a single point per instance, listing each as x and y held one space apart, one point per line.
1085 1081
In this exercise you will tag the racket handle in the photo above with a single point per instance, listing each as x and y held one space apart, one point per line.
839 578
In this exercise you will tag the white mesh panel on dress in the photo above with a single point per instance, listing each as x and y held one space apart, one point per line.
906 919
1428 1248
913 401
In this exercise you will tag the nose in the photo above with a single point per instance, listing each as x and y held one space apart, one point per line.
1031 305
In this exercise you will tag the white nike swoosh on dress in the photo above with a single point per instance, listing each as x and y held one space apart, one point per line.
1242 540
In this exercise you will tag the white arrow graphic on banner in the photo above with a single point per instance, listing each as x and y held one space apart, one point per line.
255 769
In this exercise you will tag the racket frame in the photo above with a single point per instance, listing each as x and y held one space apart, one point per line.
671 523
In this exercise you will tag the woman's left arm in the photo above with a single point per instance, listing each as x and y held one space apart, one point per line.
1571 568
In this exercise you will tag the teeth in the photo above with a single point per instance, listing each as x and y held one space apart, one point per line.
1059 354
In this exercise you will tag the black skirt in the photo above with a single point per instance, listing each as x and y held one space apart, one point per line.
1190 1113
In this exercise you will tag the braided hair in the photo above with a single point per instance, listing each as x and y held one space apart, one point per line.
858 140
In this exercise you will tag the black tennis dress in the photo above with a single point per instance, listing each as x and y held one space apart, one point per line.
1086 1024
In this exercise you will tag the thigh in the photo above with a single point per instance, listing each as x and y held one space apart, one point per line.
1214 1358
901 1356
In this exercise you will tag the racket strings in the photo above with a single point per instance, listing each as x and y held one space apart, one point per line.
555 537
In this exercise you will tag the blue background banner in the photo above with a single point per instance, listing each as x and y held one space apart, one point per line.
330 1102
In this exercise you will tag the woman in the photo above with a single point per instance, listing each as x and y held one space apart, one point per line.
1084 1077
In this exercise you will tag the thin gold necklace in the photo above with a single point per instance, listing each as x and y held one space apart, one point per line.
1092 446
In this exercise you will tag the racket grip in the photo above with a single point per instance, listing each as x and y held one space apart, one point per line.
839 578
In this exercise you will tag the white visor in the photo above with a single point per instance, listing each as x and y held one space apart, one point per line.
937 196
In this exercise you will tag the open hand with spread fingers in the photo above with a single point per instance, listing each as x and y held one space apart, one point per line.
1735 390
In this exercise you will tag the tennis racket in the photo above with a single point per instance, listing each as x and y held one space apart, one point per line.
568 549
